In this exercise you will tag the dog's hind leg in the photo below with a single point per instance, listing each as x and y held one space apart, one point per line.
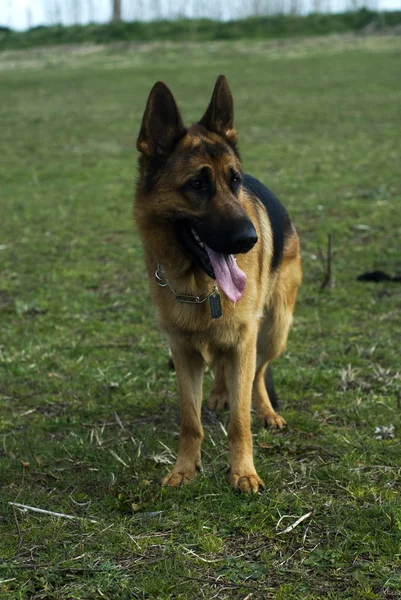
189 366
273 334
218 399
263 402
272 338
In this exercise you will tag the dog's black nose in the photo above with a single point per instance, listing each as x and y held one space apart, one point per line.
243 238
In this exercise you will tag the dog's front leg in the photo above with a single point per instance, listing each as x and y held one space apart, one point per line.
189 365
241 364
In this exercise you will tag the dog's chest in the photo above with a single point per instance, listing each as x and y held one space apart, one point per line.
196 325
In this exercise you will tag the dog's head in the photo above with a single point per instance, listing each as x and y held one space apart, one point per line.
192 178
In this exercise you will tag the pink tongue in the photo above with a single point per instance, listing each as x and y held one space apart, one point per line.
228 274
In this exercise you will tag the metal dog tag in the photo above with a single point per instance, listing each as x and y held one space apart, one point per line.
215 306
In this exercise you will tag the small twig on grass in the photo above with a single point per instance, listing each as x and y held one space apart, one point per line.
297 522
42 511
189 551
18 530
328 276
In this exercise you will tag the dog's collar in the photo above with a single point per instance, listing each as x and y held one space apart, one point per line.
213 296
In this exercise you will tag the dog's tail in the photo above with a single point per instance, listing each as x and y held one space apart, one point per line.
270 388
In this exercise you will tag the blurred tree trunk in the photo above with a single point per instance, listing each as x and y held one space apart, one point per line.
76 11
91 13
116 10
29 19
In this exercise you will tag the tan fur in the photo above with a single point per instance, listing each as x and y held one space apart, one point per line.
246 338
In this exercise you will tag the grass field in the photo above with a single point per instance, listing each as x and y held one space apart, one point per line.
89 410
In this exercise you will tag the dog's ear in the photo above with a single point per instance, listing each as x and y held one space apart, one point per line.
162 125
219 116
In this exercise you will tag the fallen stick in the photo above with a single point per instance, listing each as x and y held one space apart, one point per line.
297 522
328 276
42 511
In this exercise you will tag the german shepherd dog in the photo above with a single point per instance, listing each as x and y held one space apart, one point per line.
224 267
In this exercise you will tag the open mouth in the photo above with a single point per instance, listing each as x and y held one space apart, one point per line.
219 266
196 248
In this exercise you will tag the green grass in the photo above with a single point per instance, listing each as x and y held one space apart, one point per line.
89 409
274 26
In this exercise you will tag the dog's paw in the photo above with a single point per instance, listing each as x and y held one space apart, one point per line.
180 476
246 483
218 401
273 420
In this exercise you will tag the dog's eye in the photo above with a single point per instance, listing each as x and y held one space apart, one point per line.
200 183
196 184
235 181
